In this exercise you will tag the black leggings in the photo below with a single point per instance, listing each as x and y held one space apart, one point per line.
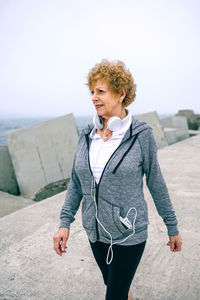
119 274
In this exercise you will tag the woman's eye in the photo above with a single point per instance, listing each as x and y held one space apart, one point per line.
92 92
101 91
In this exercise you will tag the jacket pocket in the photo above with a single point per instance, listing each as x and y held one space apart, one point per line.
109 217
88 213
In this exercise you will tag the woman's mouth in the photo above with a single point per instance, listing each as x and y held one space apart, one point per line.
97 106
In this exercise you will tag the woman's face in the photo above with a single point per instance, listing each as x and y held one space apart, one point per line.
107 103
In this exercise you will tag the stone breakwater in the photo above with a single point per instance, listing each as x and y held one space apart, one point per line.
30 269
37 161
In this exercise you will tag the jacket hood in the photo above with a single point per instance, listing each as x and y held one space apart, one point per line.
138 126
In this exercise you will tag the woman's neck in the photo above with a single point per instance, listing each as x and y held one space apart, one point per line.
121 115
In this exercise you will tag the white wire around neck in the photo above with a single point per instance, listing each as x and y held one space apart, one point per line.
93 195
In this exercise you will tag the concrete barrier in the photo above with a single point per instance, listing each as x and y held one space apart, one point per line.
8 181
175 122
152 119
192 118
175 129
10 203
170 135
42 156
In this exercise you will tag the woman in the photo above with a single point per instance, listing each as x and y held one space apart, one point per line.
111 159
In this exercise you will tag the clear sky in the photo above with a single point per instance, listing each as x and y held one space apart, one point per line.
47 48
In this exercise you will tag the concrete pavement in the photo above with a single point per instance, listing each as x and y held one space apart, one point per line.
29 268
10 203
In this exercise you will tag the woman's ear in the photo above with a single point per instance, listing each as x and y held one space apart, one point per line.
123 95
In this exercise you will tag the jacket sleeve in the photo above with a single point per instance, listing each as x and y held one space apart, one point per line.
156 183
72 200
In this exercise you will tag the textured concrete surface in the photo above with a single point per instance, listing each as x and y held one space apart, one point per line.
175 122
192 118
170 135
42 154
175 129
152 119
8 182
10 203
31 270
174 135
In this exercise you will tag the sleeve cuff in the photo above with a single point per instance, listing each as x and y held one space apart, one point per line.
172 230
64 224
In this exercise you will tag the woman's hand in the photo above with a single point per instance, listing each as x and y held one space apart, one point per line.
60 240
175 243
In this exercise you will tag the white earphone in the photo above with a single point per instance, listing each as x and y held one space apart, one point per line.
114 123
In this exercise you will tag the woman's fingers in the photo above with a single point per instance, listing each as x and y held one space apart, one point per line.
175 243
63 244
57 247
177 246
60 240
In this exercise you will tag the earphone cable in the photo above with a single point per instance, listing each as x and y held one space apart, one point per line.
93 196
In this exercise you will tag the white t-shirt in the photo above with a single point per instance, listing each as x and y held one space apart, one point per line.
101 151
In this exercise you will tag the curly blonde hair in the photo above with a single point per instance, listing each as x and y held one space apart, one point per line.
117 76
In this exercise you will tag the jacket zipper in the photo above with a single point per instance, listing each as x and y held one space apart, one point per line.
96 187
111 158
87 140
134 139
97 184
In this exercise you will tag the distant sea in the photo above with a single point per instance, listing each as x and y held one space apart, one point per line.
15 123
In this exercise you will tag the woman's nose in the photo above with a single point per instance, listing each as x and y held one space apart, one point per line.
94 97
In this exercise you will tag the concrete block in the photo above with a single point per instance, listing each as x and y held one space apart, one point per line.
8 182
179 128
10 203
192 118
175 122
188 113
152 119
170 135
174 135
42 156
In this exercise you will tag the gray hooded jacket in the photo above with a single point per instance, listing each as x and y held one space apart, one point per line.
120 188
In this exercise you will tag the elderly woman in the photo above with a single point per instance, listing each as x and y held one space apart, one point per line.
107 176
